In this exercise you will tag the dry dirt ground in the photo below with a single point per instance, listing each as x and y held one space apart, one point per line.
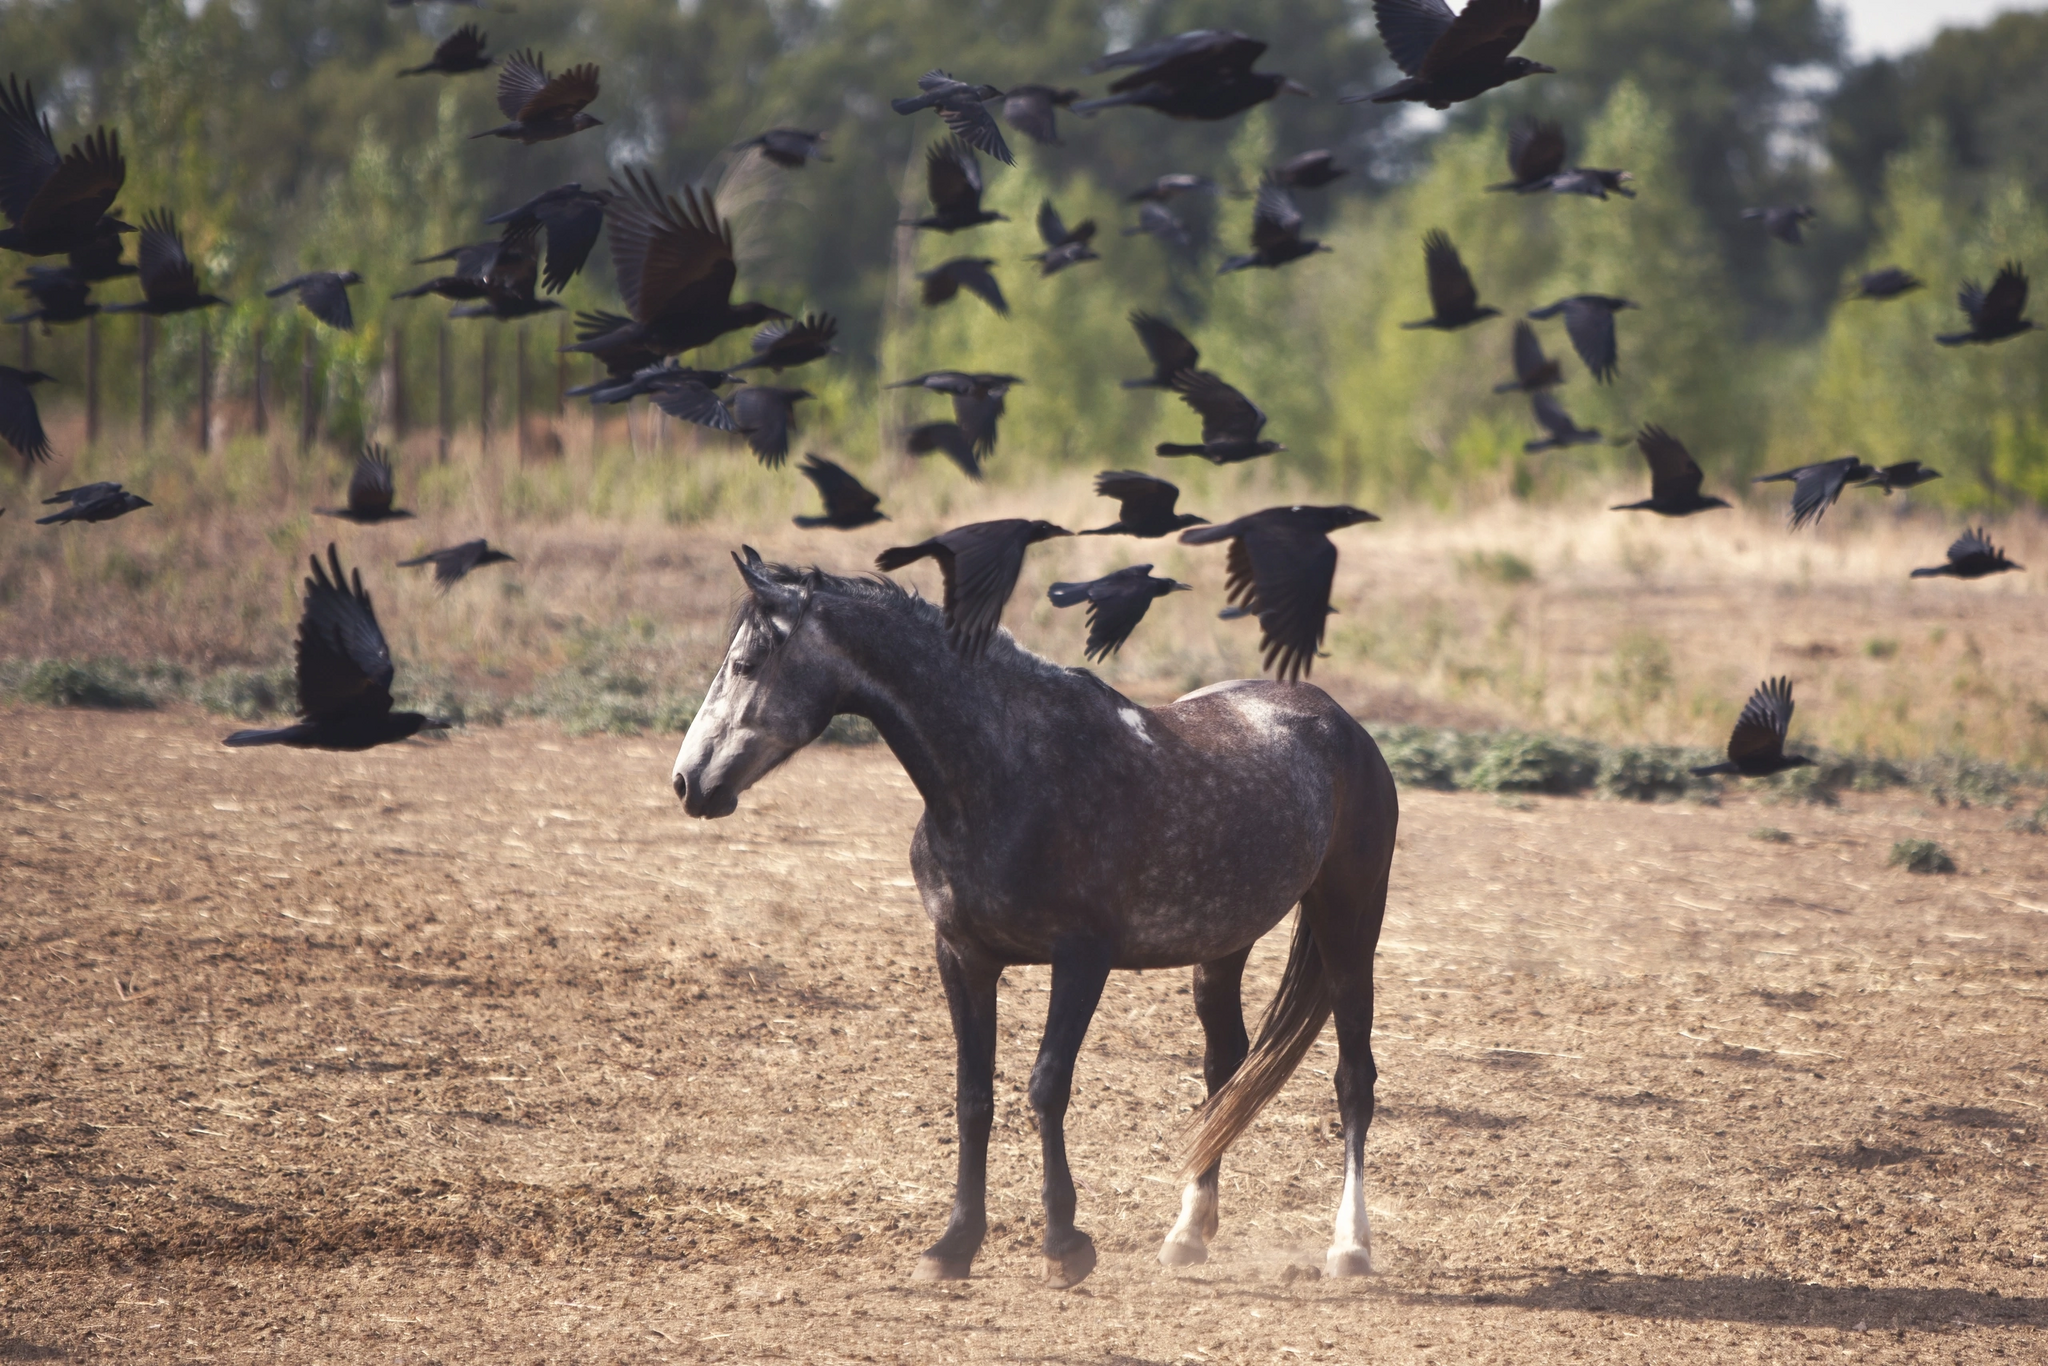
479 1051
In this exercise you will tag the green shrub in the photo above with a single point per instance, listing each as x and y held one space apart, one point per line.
1497 566
1954 780
2033 824
1921 856
1770 834
105 683
250 694
1422 757
1648 773
850 730
1513 761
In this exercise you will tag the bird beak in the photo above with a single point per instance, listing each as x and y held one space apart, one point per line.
142 502
1538 68
1179 587
1623 175
1297 88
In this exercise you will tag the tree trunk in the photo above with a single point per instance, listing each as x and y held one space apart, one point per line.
92 379
445 387
484 394
205 385
309 412
394 360
262 384
519 390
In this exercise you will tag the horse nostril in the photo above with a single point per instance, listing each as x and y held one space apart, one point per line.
682 786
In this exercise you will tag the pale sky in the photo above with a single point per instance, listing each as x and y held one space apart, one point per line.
1889 27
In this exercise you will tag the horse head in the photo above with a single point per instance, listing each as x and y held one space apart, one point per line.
767 701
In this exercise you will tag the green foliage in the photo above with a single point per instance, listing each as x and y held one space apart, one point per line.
851 730
1497 566
110 684
249 694
1921 856
1770 834
1651 773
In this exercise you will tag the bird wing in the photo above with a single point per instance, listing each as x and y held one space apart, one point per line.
1202 51
1552 416
166 270
1535 149
1292 570
1140 497
20 424
693 401
981 573
977 411
1766 717
466 44
952 176
1029 110
371 488
1451 291
1276 222
84 493
1485 32
514 268
972 275
669 257
947 438
765 415
572 229
520 79
969 120
562 96
618 361
1816 487
1972 542
1227 415
1050 227
1116 604
814 329
1529 357
1591 328
344 665
2004 301
1166 344
326 298
1673 471
28 154
1162 223
844 495
1410 28
81 189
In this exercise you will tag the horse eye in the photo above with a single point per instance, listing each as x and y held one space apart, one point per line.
742 668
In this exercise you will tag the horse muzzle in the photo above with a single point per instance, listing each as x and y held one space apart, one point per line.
706 803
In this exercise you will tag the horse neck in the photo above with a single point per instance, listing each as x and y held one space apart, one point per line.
952 724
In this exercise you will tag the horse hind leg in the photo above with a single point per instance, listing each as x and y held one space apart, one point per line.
1079 971
1219 1005
1345 912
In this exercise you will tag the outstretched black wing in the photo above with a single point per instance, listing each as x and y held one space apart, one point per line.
1483 35
952 175
1410 28
1591 328
1227 415
1760 730
1141 498
980 576
1674 474
844 495
1276 221
1292 568
2004 302
21 425
1451 291
165 268
1535 149
371 488
344 666
326 298
1167 345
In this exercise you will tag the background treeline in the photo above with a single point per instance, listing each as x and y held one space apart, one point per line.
278 132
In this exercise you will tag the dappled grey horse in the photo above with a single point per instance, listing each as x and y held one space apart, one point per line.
1065 824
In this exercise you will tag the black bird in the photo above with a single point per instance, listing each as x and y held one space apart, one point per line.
686 394
453 563
949 439
1202 74
1170 350
1675 477
765 416
1552 417
1064 246
978 403
1144 506
474 262
848 502
1889 283
60 295
1167 186
1116 604
20 424
970 273
1231 423
788 148
324 294
96 502
1280 569
1903 475
98 259
1533 369
55 204
1450 58
571 216
371 491
344 673
1816 487
542 108
980 563
1589 322
169 283
1156 220
1536 149
510 274
1030 110
1276 233
1309 171
461 51
1782 221
1594 184
953 177
1453 297
1757 748
964 109
1995 313
787 343
1971 556
621 360
675 268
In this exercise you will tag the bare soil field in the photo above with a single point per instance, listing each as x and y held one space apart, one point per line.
480 1051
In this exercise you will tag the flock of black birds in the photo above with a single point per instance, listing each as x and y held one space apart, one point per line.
674 261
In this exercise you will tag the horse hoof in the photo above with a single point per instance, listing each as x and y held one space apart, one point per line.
1070 1268
1174 1252
1351 1262
930 1268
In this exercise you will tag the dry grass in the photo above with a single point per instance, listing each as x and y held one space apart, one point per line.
1618 627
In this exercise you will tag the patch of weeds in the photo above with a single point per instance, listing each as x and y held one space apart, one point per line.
1514 801
1956 781
1815 785
1649 773
1771 834
594 699
1880 647
103 683
1921 856
250 694
1422 757
1497 566
1513 761
850 730
2034 824
1642 674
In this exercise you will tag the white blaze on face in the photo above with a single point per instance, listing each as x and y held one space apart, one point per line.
722 746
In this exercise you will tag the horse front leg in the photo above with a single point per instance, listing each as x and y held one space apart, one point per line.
1079 970
1219 1005
971 996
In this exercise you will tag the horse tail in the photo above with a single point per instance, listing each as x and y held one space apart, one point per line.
1293 1019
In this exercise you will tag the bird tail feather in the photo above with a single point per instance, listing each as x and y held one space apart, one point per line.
1711 769
1067 594
281 735
896 557
1177 448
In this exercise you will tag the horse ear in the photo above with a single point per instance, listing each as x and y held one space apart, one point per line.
753 555
774 596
